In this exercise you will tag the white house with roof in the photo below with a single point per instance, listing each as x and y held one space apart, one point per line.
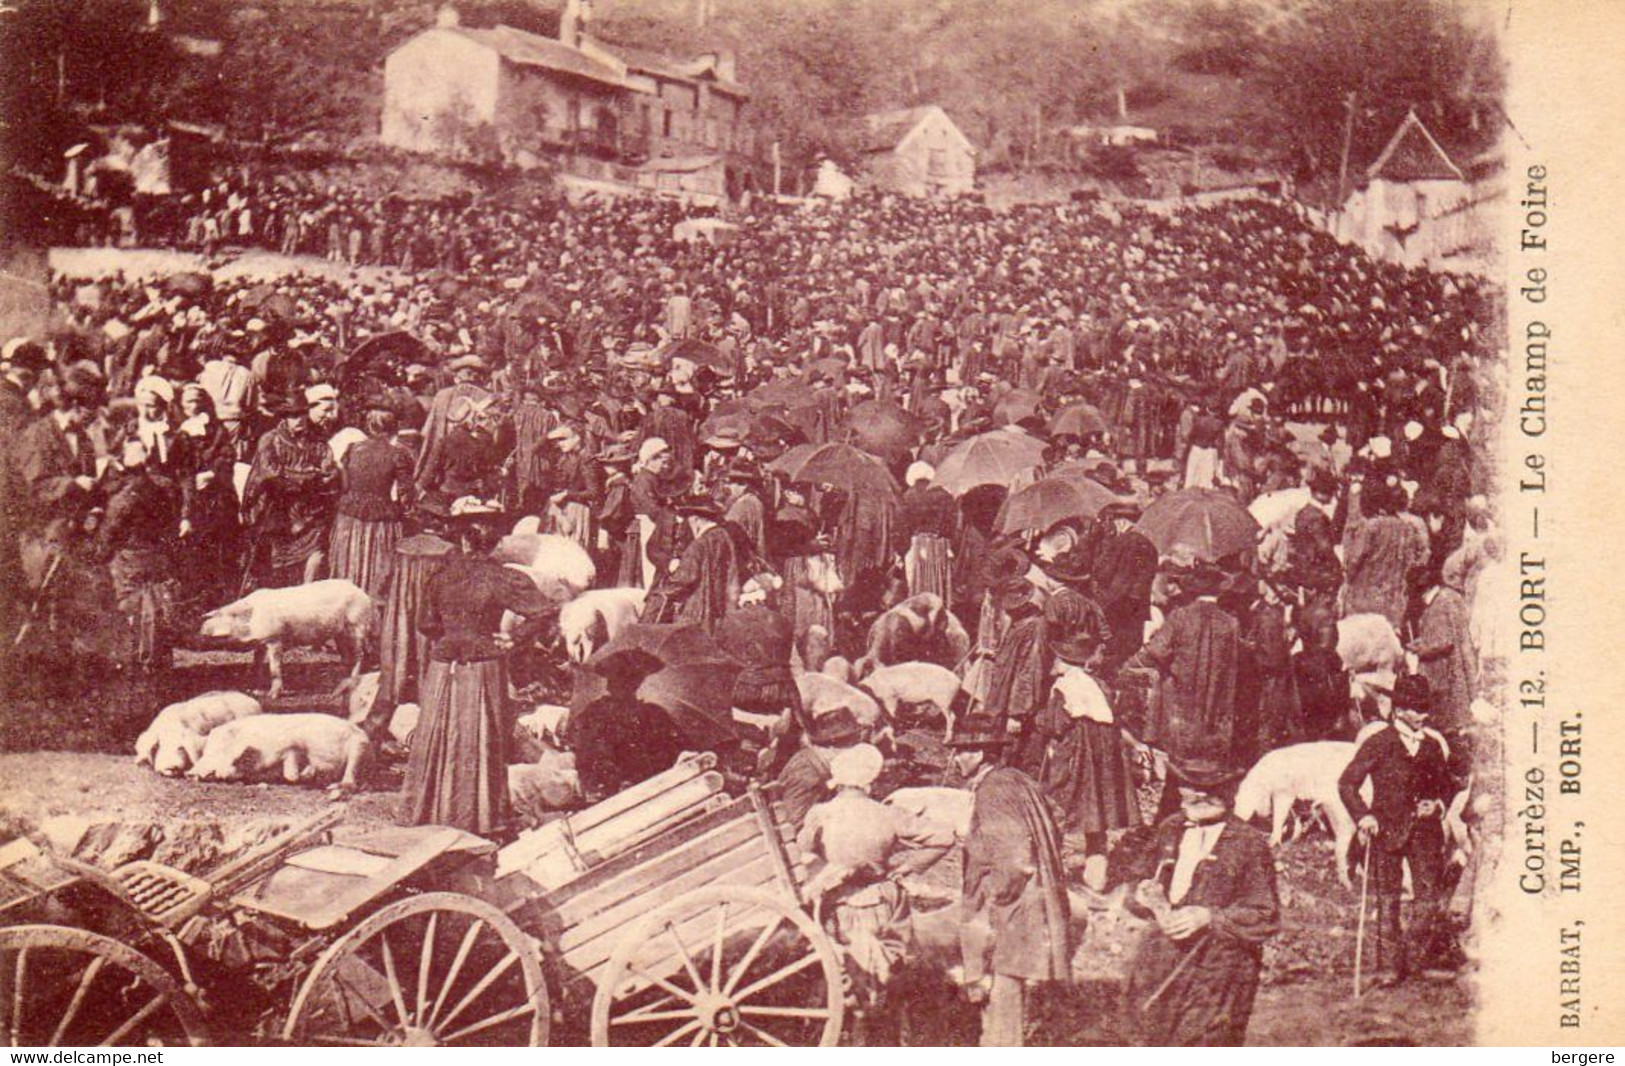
918 151
1409 205
504 93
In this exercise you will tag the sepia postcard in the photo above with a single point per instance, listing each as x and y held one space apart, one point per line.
772 523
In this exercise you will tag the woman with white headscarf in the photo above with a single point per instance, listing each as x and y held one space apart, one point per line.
655 524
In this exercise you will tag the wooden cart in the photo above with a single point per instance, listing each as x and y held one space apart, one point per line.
405 937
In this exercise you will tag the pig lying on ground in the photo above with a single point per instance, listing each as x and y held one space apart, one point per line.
174 741
920 629
913 685
297 748
597 617
304 616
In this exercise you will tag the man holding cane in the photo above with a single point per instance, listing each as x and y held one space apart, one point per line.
1407 764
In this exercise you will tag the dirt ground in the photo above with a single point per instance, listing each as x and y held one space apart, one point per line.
66 767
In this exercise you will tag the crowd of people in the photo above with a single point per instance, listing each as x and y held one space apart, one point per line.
661 403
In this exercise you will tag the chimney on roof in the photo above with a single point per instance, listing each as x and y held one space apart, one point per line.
447 17
726 64
575 23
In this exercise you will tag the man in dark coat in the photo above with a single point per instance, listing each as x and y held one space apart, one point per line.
1212 893
1125 565
292 493
1408 766
1015 927
1195 654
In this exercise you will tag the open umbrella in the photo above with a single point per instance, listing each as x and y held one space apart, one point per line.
397 348
785 392
995 458
689 676
1015 405
699 697
1208 522
1045 503
1078 420
700 354
882 428
849 469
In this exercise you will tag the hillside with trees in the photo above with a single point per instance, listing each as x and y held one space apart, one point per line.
1282 81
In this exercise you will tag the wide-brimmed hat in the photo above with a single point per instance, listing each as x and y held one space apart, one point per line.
1413 693
1070 568
837 727
979 731
1202 772
697 507
465 362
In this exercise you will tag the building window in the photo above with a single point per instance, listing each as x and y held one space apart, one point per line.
665 123
937 163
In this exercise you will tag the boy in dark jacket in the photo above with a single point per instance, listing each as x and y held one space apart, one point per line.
1407 764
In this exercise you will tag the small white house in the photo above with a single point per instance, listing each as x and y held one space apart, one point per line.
1397 210
918 151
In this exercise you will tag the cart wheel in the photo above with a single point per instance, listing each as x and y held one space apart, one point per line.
724 965
430 970
62 987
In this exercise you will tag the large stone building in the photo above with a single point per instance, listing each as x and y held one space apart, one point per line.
602 110
918 151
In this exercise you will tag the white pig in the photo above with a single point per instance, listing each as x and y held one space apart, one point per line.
296 748
1367 642
597 617
174 741
820 693
304 616
912 684
560 568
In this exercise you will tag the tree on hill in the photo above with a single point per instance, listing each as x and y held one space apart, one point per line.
1380 58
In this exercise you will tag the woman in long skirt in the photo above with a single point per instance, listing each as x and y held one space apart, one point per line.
1090 769
377 484
457 774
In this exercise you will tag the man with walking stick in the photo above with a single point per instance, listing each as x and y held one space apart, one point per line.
1407 764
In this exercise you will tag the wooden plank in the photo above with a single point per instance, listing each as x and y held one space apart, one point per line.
343 903
636 880
599 876
551 914
521 852
556 867
592 943
771 835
